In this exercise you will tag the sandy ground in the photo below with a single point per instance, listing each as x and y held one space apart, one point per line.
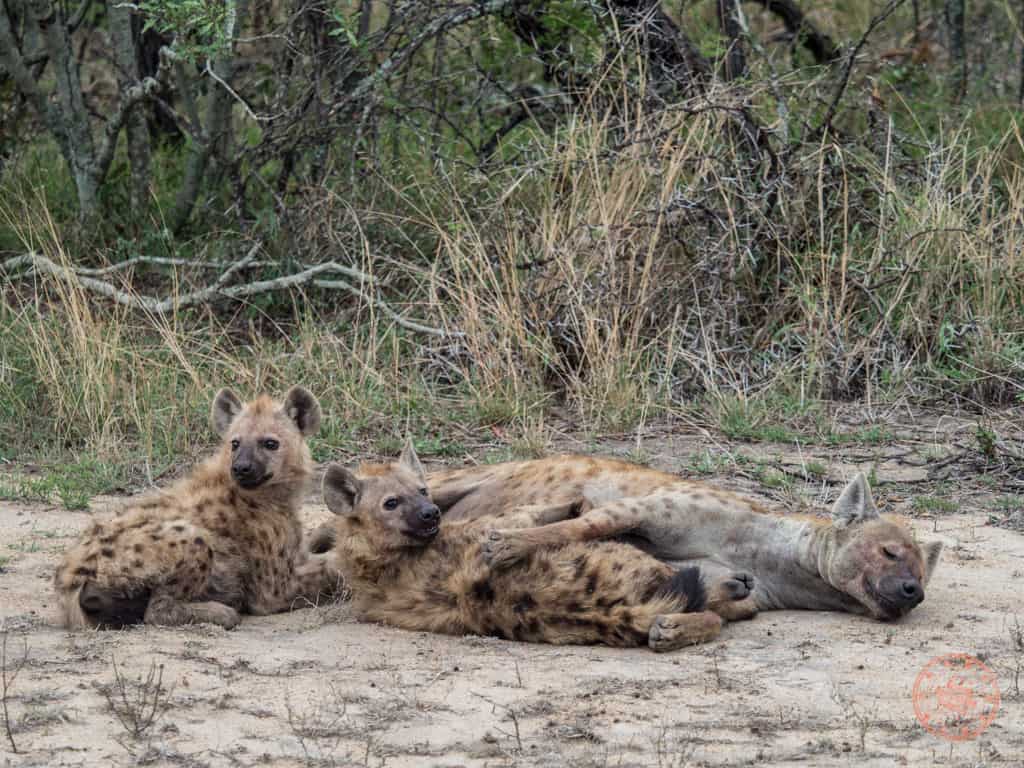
315 687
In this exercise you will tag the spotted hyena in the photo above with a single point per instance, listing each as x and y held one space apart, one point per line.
857 560
224 540
407 569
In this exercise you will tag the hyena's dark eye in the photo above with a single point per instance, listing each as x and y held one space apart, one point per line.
889 553
271 445
234 445
423 491
391 503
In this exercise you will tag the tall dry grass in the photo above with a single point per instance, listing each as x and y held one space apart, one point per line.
638 262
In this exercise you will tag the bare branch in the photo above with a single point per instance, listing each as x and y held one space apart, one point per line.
76 21
462 15
830 115
310 275
8 674
803 31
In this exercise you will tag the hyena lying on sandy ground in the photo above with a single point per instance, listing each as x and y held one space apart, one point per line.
225 539
858 561
405 568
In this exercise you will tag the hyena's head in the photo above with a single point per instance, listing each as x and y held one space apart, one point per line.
877 560
388 502
264 441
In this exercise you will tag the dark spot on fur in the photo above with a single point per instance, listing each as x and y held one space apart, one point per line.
440 597
686 583
482 591
179 528
580 565
107 552
137 548
524 603
617 568
155 537
592 583
106 539
653 586
573 607
137 564
495 631
87 572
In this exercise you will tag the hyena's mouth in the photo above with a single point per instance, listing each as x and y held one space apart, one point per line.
425 534
249 483
887 608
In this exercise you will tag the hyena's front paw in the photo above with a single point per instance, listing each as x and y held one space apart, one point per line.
499 549
214 613
732 597
669 632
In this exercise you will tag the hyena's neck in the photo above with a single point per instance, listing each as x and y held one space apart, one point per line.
369 567
789 558
214 475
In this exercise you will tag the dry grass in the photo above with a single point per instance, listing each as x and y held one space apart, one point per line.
639 264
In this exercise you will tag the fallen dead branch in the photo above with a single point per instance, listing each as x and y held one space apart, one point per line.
37 263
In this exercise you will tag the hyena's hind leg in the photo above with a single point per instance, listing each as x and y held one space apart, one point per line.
314 581
173 561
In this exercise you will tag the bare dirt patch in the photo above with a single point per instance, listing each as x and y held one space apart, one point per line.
315 687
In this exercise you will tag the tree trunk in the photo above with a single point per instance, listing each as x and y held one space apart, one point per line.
735 62
126 60
216 122
955 25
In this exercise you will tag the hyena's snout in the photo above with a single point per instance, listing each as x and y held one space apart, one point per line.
902 593
423 520
247 470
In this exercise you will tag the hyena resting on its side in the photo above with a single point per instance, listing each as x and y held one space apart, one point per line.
858 561
225 539
408 569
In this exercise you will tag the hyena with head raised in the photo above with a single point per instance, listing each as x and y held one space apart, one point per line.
223 540
406 568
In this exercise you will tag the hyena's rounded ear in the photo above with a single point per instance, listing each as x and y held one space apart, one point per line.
302 408
410 460
931 550
854 503
341 490
226 406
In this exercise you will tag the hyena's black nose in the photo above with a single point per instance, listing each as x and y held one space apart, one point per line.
911 591
430 514
243 470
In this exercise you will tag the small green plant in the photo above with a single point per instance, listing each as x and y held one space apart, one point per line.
816 468
1008 503
935 504
986 439
773 478
707 463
